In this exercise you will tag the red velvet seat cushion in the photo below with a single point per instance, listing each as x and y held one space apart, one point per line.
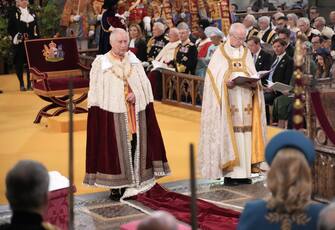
63 83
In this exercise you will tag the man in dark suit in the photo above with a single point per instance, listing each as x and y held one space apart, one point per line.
281 71
284 34
22 25
262 59
27 185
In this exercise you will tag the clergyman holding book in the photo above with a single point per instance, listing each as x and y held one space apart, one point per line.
233 123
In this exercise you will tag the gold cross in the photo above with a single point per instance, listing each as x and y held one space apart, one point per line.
248 109
233 109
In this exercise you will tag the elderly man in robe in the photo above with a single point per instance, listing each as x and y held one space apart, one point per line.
165 56
125 149
233 120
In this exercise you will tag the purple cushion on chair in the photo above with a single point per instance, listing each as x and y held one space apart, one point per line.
63 83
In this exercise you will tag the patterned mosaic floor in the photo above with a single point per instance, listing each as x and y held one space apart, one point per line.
97 211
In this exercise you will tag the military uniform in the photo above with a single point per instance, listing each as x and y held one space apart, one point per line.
155 45
186 58
22 25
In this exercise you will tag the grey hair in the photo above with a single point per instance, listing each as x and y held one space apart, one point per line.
27 186
293 16
115 32
327 218
278 15
160 25
174 30
183 26
321 19
251 18
304 20
265 19
236 27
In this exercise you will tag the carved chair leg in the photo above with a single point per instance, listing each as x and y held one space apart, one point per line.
44 112
60 111
80 110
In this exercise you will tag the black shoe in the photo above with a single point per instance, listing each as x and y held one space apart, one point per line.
244 181
230 181
22 88
1 91
29 88
115 195
236 181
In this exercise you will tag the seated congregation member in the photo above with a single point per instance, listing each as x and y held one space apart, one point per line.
305 28
323 63
262 59
281 71
332 20
266 33
290 156
124 147
157 41
166 56
137 43
284 34
202 44
186 54
203 41
292 22
27 187
283 105
320 25
250 22
316 44
327 218
216 37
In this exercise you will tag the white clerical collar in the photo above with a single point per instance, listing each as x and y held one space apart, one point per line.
106 63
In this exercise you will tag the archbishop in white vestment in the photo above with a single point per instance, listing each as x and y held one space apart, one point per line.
233 124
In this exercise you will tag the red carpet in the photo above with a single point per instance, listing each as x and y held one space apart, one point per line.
210 216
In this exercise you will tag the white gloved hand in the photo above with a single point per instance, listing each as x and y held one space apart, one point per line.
99 17
76 18
145 64
147 25
16 41
90 33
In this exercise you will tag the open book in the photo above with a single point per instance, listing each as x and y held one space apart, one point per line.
240 80
160 65
278 86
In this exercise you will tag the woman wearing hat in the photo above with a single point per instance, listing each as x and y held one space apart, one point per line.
290 155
